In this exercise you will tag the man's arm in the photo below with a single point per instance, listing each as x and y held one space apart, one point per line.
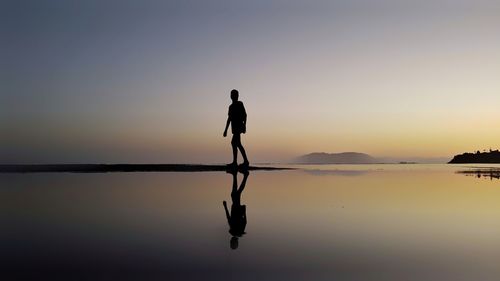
227 211
244 214
227 126
244 118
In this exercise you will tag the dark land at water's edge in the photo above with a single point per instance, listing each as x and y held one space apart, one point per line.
103 168
493 156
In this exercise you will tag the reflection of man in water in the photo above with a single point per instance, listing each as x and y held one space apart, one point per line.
237 116
237 220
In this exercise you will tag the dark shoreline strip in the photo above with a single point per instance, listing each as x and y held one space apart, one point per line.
104 168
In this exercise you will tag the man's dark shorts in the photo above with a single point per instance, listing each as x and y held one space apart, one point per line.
236 140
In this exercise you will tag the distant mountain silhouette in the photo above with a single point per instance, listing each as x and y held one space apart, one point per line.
362 158
493 156
335 158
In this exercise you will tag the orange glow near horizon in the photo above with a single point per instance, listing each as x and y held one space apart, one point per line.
389 80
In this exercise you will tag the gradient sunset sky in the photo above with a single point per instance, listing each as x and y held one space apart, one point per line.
149 81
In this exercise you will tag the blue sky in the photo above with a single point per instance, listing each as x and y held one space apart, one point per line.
149 81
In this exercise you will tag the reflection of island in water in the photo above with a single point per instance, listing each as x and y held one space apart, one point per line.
482 173
347 173
237 218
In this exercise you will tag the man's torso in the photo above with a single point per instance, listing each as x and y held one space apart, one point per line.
237 116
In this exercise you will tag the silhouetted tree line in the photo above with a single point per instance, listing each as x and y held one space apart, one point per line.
491 156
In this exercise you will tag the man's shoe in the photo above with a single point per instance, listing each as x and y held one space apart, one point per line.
244 165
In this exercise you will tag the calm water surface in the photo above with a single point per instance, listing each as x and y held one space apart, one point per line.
333 222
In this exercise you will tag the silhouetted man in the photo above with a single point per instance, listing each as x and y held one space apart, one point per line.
237 220
237 116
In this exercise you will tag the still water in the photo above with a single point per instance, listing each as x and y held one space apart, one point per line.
329 222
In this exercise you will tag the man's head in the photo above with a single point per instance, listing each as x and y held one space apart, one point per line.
234 94
233 243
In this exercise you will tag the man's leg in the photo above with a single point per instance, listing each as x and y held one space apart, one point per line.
243 153
234 144
235 195
244 181
235 182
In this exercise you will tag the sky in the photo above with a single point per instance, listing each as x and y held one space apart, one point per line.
108 81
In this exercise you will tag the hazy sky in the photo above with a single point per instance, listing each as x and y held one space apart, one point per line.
149 81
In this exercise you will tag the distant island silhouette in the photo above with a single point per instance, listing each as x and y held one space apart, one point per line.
362 158
492 156
335 158
104 168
